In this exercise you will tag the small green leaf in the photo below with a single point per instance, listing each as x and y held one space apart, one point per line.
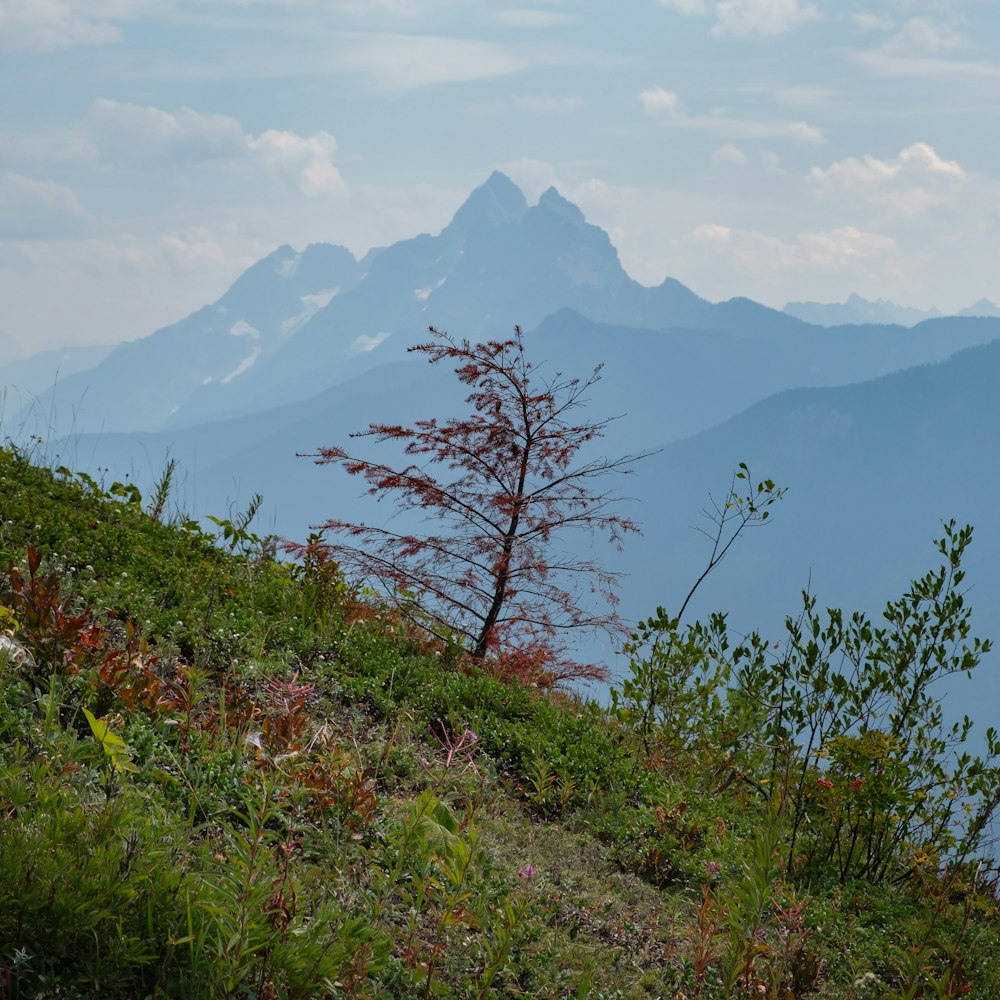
111 743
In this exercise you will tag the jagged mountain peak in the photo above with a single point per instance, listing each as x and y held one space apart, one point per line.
552 201
498 202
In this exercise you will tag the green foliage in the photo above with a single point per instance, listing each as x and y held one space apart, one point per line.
674 682
841 726
674 689
224 776
236 534
876 781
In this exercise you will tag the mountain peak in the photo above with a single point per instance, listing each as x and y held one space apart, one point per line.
553 201
498 202
984 307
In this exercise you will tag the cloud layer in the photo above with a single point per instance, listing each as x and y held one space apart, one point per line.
133 135
910 184
748 18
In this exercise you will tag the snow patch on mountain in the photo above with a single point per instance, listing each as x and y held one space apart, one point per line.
245 365
241 328
366 343
423 294
289 266
311 305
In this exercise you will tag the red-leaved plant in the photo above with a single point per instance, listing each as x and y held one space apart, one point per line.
503 485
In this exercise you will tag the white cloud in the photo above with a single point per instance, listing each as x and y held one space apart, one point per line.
761 17
926 47
743 18
866 21
408 9
143 136
306 161
771 162
524 17
689 7
731 154
38 209
548 105
804 95
745 248
146 136
924 36
126 284
846 249
192 250
804 132
49 25
404 62
887 64
658 101
916 180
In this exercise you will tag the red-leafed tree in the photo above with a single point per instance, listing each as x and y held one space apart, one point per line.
500 489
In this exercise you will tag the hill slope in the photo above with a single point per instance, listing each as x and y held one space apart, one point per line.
285 791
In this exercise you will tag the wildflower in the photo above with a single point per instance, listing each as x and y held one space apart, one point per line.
12 651
714 868
527 872
824 783
857 783
868 981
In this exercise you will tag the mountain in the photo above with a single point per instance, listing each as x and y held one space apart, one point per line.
297 324
981 308
10 349
140 384
499 262
664 385
859 310
872 469
27 378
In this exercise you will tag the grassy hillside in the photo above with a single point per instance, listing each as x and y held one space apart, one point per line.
222 775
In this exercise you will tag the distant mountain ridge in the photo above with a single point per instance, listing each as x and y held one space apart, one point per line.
26 378
872 468
858 310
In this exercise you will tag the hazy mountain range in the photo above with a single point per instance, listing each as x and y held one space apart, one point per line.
879 429
857 310
297 323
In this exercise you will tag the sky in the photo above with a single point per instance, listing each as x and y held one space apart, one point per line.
151 150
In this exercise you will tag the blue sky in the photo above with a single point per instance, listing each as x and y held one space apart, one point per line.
783 149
